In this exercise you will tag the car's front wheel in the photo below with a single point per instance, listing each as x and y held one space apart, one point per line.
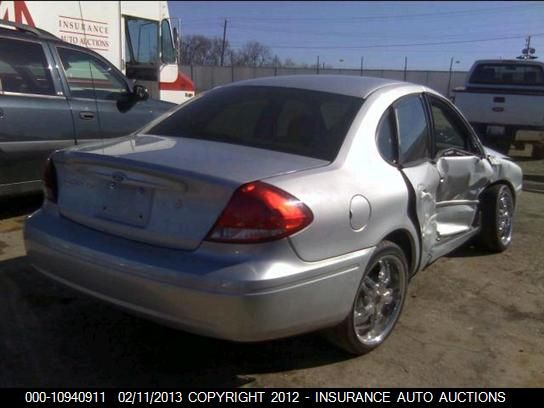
497 206
378 302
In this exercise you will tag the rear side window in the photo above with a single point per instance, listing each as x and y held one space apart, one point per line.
24 68
412 129
386 138
296 121
508 74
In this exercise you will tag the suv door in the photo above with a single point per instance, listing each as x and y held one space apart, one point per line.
35 116
464 172
102 103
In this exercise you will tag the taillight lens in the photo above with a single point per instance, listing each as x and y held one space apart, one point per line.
50 181
259 212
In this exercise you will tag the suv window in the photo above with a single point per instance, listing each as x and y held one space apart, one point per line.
303 122
24 68
412 129
89 77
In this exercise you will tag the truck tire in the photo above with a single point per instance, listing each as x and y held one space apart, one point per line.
497 211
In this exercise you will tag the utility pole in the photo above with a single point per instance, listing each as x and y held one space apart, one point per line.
317 65
224 40
527 53
362 65
405 66
450 75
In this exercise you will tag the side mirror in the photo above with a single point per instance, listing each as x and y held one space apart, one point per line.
140 93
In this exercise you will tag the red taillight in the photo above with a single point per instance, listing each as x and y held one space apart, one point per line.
260 212
50 181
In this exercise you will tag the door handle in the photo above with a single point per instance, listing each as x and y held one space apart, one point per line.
86 115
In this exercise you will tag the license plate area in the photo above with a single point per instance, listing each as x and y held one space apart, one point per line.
125 204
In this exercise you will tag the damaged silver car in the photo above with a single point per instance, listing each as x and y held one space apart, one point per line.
275 206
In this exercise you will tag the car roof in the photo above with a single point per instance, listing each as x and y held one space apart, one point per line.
351 85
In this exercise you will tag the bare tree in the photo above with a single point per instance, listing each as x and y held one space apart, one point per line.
254 54
201 50
288 62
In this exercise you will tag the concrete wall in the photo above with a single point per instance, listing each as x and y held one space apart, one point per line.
207 77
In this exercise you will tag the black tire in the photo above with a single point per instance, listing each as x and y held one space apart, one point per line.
344 335
496 231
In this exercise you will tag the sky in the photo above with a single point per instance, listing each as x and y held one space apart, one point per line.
428 34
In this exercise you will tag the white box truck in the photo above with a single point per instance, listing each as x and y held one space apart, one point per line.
138 37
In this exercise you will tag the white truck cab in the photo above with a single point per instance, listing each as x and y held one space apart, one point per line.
504 102
137 37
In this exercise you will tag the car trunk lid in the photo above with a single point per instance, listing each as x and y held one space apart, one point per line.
161 190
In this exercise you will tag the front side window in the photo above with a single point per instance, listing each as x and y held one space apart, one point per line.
89 77
412 129
448 129
296 121
24 68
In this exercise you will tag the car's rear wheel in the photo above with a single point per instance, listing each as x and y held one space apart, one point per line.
378 302
497 206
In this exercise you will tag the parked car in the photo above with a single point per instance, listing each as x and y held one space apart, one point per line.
503 100
53 95
275 206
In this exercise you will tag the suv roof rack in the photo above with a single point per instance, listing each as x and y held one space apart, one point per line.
38 32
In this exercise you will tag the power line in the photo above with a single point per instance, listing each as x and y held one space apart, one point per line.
352 34
317 47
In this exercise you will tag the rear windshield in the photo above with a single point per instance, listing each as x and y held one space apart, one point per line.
288 120
508 74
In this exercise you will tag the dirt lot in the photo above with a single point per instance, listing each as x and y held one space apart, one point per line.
471 319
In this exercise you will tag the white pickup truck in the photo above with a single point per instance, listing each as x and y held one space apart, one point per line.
504 102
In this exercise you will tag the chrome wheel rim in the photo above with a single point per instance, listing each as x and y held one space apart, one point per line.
379 300
505 208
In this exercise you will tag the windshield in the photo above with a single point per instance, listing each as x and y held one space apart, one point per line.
288 120
508 74
143 40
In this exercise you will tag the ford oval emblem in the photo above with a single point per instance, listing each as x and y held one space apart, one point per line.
118 177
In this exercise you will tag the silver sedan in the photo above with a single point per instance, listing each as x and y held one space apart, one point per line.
275 206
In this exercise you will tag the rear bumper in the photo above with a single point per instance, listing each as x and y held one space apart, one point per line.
255 294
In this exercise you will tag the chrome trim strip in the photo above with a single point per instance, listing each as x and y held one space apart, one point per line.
31 95
457 202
